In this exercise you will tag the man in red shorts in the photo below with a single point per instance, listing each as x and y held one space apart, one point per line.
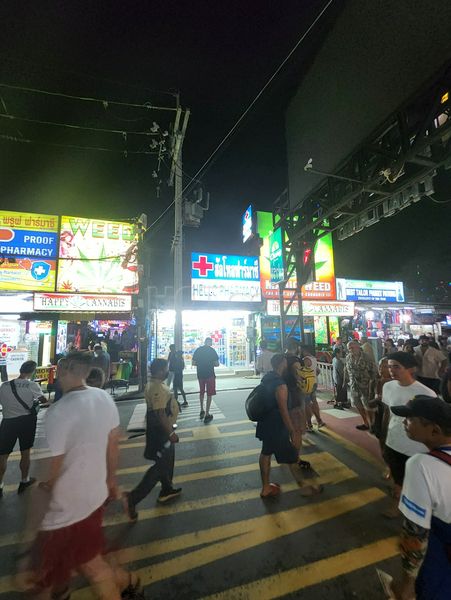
205 360
82 432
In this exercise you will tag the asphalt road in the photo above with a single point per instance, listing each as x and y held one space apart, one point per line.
219 539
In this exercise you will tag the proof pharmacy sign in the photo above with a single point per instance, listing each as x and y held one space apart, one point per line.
82 302
225 278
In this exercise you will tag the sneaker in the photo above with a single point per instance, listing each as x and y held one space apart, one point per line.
321 424
185 404
310 429
129 507
362 427
208 418
169 494
23 485
202 415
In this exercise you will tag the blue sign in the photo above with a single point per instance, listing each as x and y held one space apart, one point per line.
225 278
248 224
358 290
28 243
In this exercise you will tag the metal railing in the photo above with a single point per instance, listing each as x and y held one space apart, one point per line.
325 379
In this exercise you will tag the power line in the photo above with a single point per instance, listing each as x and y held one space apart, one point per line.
246 111
72 126
105 103
11 138
263 89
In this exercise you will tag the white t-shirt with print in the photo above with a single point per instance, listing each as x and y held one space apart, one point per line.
28 391
395 394
426 491
78 426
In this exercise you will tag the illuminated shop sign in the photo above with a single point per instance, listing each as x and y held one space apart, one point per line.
248 228
276 257
225 278
273 308
28 251
97 257
332 309
83 302
323 288
370 291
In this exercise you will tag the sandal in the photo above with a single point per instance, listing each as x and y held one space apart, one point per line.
304 464
274 491
134 591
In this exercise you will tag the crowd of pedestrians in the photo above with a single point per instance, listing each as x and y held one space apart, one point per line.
396 399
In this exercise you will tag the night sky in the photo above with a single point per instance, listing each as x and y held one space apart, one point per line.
218 55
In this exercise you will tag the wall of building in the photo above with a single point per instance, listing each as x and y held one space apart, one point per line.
376 56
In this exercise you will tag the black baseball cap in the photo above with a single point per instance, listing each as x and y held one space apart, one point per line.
432 409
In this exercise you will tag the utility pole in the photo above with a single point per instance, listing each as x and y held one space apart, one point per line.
177 243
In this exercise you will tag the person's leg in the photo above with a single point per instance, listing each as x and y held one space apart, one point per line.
24 464
315 410
166 469
308 413
146 485
100 575
3 373
207 412
358 404
182 391
3 463
202 384
265 469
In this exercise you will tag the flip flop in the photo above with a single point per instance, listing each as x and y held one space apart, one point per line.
304 464
275 491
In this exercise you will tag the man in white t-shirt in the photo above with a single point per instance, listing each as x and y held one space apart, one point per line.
82 432
398 446
263 362
425 503
432 364
18 399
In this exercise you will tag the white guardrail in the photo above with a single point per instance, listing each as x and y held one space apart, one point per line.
325 379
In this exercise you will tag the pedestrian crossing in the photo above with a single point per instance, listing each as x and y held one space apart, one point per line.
187 414
220 541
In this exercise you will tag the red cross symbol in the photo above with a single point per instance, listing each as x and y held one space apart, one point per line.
4 350
203 266
216 336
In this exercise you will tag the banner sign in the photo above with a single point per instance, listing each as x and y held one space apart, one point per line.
273 308
248 226
335 309
28 251
276 257
83 302
370 291
323 288
97 257
225 278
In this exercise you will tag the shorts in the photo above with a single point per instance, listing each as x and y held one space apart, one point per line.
397 464
208 385
18 428
281 447
309 398
361 398
58 552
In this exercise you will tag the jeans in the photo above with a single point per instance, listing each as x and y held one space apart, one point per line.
162 470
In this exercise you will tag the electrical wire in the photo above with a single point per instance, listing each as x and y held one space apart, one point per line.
72 126
11 138
245 112
105 103
439 201
261 92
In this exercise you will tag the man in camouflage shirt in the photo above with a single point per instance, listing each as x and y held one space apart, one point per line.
361 372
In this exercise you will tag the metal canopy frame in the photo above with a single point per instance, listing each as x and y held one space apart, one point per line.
392 169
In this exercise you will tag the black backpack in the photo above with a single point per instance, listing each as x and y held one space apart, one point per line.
258 403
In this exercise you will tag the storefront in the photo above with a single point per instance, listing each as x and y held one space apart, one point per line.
229 329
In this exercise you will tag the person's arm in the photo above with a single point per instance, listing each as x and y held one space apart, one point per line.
282 403
37 393
193 360
112 459
160 417
442 368
413 545
217 359
56 463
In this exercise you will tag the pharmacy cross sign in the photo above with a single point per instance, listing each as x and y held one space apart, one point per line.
5 350
203 266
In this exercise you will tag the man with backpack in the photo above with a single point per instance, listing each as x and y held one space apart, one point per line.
426 535
18 399
277 432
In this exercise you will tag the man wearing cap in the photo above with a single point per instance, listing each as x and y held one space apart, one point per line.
398 446
425 503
